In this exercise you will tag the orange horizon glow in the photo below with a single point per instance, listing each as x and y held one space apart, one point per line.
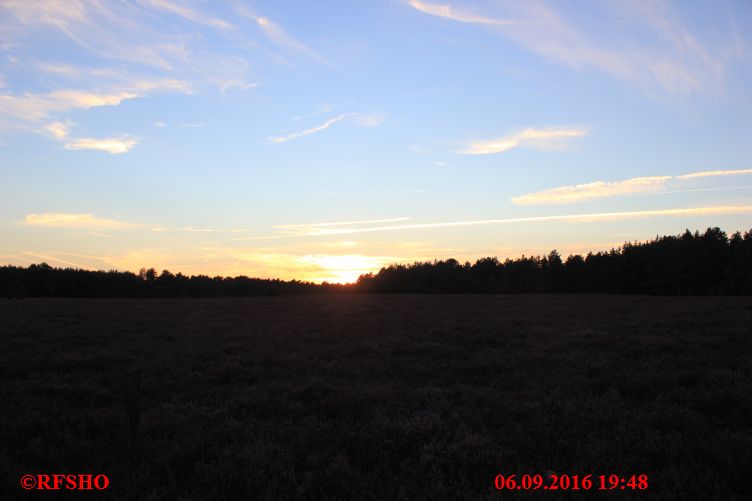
315 268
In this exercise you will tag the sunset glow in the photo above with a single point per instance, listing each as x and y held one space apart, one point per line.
321 141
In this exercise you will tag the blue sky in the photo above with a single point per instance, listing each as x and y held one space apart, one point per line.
321 140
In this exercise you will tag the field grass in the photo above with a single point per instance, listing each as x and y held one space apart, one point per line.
379 396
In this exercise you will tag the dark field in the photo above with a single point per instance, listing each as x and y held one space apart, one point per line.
379 397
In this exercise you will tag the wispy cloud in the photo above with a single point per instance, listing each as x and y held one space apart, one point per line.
134 49
141 48
604 189
188 13
109 30
279 36
75 221
456 13
113 145
87 221
312 130
35 107
542 139
310 228
587 217
715 173
569 218
59 130
590 191
673 63
31 107
591 217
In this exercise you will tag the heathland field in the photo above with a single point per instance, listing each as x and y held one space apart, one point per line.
378 396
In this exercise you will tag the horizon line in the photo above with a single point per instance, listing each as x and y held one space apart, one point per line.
620 248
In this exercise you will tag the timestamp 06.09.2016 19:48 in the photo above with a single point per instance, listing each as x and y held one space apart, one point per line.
553 482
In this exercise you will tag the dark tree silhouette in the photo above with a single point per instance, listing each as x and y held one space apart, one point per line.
689 264
42 280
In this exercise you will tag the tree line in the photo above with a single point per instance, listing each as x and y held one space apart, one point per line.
711 263
689 264
40 280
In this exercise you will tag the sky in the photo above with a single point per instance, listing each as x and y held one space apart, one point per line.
323 140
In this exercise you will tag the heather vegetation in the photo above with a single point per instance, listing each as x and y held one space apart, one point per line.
710 263
361 396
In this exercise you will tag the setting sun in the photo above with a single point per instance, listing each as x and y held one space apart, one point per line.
342 269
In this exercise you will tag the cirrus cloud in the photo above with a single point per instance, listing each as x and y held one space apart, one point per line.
363 120
604 189
139 49
75 221
540 139
590 191
715 173
456 13
34 107
356 228
670 62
